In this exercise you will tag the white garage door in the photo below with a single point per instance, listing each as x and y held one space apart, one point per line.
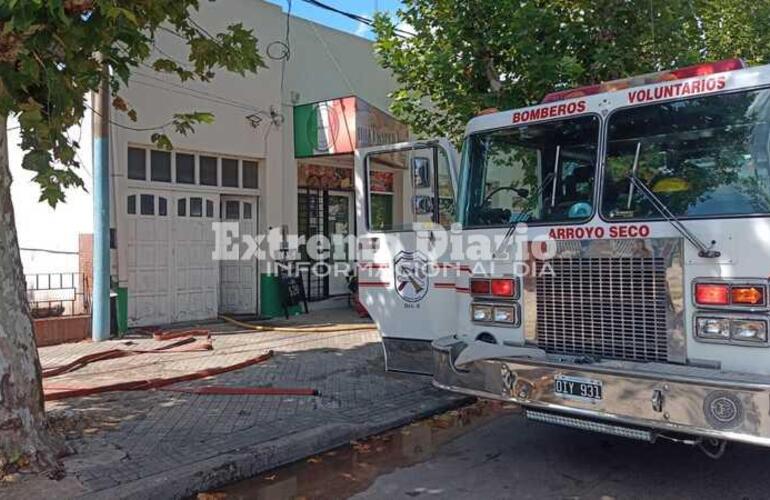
149 251
239 277
196 272
171 274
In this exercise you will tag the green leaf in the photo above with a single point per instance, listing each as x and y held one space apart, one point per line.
49 64
162 141
37 161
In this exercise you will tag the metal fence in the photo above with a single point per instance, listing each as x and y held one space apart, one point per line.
58 294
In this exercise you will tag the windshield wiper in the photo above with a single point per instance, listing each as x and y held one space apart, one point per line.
526 212
704 251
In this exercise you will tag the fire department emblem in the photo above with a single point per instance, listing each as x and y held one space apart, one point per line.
723 410
410 270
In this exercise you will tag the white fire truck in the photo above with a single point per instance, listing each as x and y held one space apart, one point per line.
645 314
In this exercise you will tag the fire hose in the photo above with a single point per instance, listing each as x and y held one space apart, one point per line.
351 327
158 334
154 383
186 343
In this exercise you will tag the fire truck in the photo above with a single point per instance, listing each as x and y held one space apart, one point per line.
625 288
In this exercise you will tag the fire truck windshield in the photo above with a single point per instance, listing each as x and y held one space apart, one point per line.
703 157
504 168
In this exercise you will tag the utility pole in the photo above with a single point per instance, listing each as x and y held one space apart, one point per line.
100 127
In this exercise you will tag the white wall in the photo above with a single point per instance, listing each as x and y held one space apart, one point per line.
326 64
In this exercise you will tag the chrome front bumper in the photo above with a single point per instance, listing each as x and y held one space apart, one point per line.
666 398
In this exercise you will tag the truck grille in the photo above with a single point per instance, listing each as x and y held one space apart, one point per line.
609 307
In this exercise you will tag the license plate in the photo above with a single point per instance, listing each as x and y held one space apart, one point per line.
583 389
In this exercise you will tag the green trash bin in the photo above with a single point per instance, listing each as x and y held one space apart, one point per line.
271 296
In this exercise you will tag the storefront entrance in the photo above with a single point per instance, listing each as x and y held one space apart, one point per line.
326 136
325 213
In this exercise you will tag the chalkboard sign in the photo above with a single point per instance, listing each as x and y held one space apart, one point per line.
292 293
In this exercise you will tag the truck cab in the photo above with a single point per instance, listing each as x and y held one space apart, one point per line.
600 258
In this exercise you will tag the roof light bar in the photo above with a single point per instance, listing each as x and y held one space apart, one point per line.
703 69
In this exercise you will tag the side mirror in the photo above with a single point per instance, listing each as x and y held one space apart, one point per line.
423 205
420 172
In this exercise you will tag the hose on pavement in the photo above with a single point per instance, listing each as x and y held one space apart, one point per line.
342 327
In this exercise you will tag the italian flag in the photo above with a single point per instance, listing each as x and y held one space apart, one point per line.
325 128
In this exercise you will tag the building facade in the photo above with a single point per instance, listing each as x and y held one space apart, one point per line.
278 158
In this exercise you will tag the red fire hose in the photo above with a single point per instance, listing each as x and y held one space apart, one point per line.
158 334
187 343
155 383
183 345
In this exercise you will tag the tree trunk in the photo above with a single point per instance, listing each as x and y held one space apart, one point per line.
24 435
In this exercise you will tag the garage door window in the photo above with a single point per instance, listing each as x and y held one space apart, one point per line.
137 164
147 204
229 172
232 211
160 166
185 168
249 174
208 174
131 204
147 164
196 207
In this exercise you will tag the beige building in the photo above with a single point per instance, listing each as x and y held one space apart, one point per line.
256 165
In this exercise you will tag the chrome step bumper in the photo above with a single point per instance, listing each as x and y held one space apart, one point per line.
702 402
591 425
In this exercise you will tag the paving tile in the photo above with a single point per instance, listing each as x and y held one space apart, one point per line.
166 434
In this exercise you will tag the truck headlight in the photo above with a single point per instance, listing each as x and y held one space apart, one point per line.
713 328
504 314
745 330
481 312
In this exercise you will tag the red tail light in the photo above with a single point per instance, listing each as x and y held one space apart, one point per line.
503 287
710 294
480 286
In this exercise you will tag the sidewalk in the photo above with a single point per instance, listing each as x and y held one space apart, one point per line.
171 445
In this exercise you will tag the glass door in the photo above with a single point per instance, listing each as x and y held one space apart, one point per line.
339 226
312 222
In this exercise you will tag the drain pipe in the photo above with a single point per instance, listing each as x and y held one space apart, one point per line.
100 132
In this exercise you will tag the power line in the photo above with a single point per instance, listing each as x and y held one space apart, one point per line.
194 96
46 250
169 56
127 127
172 32
355 17
334 59
211 97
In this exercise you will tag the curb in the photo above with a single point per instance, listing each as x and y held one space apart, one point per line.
251 460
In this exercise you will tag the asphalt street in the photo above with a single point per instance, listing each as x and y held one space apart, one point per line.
510 457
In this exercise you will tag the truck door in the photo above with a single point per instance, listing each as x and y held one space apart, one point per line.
405 206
